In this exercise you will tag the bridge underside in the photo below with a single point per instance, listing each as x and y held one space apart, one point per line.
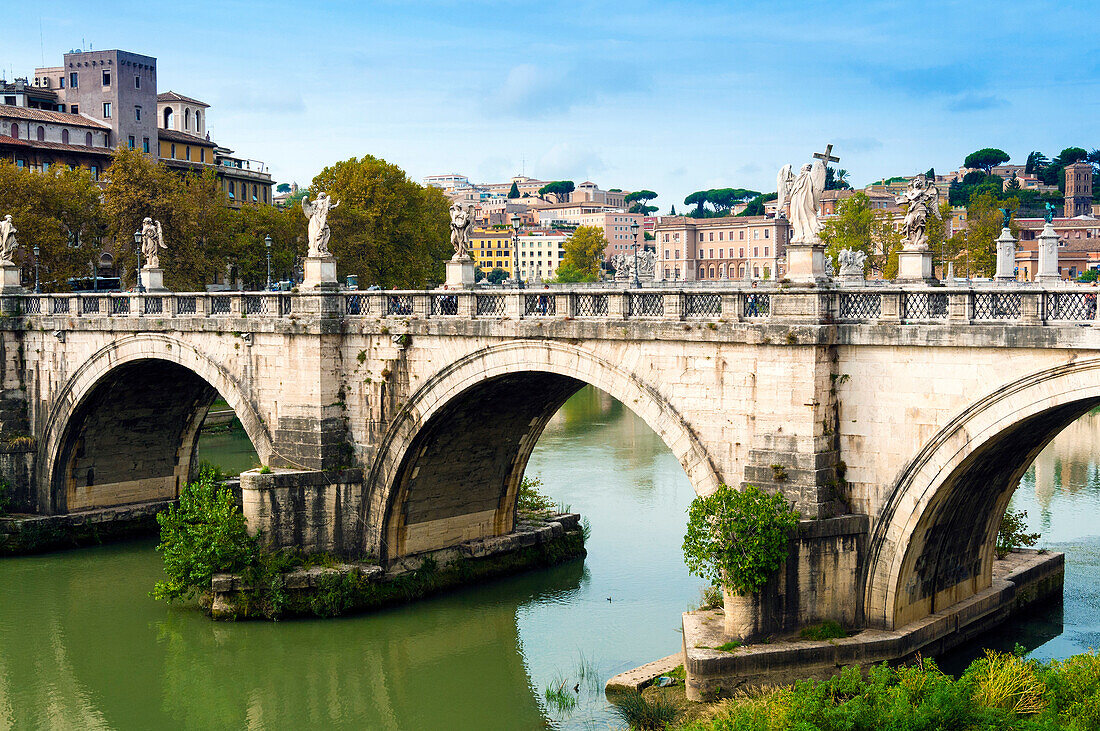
951 555
460 477
132 439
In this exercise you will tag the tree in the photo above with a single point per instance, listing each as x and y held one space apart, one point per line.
672 210
836 179
560 189
931 175
388 229
583 255
986 159
851 228
282 188
755 207
58 211
1071 155
513 192
496 276
697 199
974 251
1036 161
640 200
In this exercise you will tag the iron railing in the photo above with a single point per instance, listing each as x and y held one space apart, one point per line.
924 306
860 306
996 306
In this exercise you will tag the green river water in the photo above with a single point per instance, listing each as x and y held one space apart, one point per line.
82 645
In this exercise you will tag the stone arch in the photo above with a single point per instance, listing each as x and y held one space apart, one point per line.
526 382
933 543
71 403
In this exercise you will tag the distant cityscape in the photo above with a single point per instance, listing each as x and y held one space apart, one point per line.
76 114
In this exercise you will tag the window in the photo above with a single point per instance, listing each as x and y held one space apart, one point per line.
41 133
106 78
88 139
666 238
20 164
254 196
202 154
46 167
9 100
712 236
145 144
95 171
137 82
666 254
756 251
106 110
721 253
712 271
700 253
741 252
765 251
741 235
174 152
75 109
133 144
72 80
232 190
61 82
721 234
187 152
137 114
756 271
677 256
168 117
64 136
15 131
198 121
700 236
766 233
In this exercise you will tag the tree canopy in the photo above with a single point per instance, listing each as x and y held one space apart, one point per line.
986 158
388 229
640 201
721 200
583 255
560 189
513 192
836 179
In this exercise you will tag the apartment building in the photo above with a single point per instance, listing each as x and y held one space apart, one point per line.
711 249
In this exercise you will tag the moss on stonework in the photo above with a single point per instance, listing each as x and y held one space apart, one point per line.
343 593
19 538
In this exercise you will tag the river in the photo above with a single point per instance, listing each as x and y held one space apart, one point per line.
83 646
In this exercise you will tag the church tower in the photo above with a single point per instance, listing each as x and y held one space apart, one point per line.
1078 189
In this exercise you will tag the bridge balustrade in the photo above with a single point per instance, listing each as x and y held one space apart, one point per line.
590 305
996 305
756 305
702 305
1071 306
860 306
924 306
489 305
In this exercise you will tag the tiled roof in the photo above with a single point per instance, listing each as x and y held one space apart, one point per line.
43 115
174 136
171 96
60 147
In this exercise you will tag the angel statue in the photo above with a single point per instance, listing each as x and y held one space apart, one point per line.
462 220
804 194
920 198
152 239
8 244
319 232
851 262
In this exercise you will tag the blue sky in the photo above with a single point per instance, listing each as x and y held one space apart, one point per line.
668 96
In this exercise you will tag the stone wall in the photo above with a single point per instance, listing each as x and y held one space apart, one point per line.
311 510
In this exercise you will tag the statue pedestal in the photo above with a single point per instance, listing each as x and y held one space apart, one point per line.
1006 257
1048 256
460 273
806 263
152 279
320 272
915 266
10 280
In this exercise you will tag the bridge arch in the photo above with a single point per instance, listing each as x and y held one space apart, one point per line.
121 376
490 407
933 544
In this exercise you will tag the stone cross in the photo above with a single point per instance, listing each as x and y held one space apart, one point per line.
827 156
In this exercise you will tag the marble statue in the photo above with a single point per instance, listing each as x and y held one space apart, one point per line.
319 232
851 262
8 244
804 194
920 199
1048 216
152 239
830 271
647 264
462 220
623 264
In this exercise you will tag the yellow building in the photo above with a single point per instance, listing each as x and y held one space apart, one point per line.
492 248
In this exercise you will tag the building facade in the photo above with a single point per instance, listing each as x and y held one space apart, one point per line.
1078 190
616 227
1078 246
38 139
712 249
492 249
540 253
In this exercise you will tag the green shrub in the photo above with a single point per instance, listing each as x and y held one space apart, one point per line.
1013 533
5 497
738 538
531 499
203 534
1007 682
827 630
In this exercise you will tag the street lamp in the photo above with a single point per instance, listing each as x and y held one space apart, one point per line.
634 233
137 246
515 250
267 245
37 288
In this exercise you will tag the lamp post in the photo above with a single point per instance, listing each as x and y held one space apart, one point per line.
634 232
137 246
267 245
515 250
37 288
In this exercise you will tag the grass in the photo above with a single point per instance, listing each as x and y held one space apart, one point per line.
728 646
827 630
645 712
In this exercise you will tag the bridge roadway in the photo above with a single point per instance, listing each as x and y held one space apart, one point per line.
402 422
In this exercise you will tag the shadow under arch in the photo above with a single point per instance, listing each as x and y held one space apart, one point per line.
933 544
449 467
131 414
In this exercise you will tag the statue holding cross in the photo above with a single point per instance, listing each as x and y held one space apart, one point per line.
803 192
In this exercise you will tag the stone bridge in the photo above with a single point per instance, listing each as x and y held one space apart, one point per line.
401 422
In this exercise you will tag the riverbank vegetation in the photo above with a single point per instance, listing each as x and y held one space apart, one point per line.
997 691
